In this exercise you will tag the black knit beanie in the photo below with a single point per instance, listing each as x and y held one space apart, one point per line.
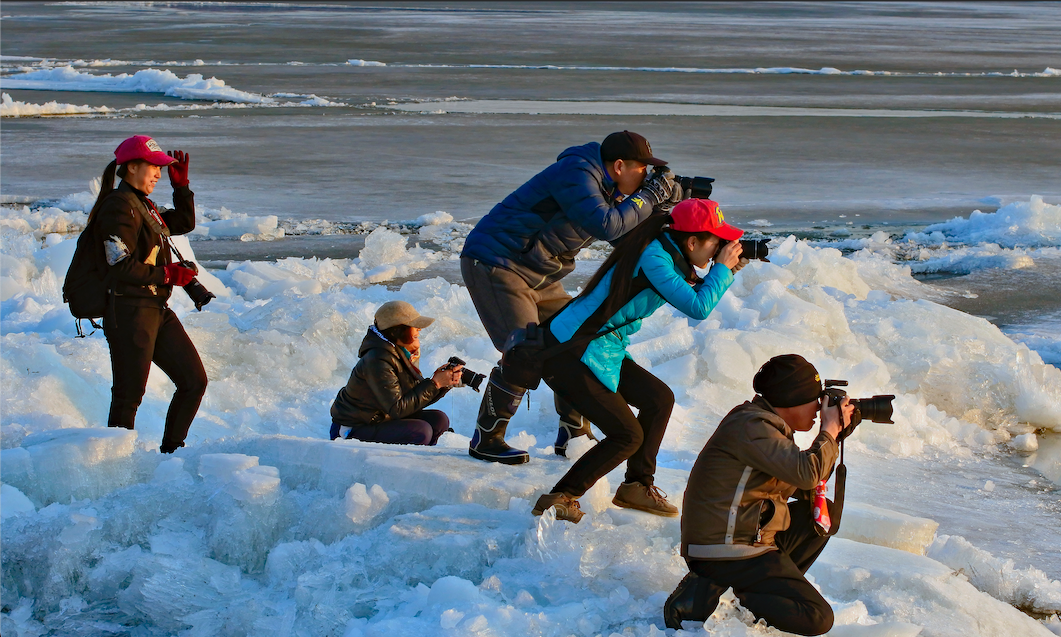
788 381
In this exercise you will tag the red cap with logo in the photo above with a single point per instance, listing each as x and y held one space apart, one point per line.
142 147
702 215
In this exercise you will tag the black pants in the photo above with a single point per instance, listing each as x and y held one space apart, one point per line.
635 439
139 335
772 585
424 427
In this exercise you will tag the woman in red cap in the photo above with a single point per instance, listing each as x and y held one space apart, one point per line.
139 326
650 266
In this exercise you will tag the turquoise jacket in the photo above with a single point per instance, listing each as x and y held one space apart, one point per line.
665 271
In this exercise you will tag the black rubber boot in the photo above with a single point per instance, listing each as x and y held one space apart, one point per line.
568 431
500 401
572 425
694 600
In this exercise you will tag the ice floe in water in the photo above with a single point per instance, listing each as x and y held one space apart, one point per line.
263 526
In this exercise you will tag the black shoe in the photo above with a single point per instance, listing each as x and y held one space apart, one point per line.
694 600
569 430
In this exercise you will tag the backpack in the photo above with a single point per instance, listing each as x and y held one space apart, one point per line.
86 287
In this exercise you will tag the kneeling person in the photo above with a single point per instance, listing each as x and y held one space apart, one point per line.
738 529
386 396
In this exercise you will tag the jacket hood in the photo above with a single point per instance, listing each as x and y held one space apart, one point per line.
587 152
772 417
374 340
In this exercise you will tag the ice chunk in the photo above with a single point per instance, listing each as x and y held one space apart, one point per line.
452 591
874 525
13 502
53 466
915 589
221 466
362 505
1027 588
172 470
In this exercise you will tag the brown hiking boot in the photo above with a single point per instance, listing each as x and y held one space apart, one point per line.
567 508
634 495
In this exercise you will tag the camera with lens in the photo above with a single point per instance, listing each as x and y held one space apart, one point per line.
468 377
197 291
752 249
695 187
877 409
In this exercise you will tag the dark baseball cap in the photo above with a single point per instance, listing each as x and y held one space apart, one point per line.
627 145
788 381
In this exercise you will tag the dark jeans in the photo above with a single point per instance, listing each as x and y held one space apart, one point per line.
772 585
139 335
635 439
422 428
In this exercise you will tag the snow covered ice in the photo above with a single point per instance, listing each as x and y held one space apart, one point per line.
263 526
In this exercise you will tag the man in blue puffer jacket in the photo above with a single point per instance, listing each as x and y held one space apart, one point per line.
515 257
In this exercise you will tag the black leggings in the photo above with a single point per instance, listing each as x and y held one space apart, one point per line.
139 335
772 585
635 439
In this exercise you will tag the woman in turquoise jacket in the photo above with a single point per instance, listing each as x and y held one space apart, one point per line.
649 267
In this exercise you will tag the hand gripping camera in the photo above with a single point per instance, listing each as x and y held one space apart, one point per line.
468 377
198 293
877 409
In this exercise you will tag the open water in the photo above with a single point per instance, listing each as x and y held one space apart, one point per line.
822 119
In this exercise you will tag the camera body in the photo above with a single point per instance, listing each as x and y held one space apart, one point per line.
197 291
876 409
468 377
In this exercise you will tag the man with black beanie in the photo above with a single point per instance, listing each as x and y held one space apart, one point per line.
738 529
515 257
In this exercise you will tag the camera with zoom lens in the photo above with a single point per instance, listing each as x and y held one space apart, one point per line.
692 187
198 293
877 409
695 187
752 249
468 377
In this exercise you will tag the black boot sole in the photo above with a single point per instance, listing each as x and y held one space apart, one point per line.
520 459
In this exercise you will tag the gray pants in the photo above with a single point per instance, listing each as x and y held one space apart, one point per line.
505 302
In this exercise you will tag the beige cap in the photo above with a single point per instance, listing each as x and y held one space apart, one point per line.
394 313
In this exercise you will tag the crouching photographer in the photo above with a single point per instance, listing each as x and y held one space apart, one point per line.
386 396
739 529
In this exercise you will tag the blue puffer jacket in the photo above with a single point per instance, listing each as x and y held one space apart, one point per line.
667 284
538 229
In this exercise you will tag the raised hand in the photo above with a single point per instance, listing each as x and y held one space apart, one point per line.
178 170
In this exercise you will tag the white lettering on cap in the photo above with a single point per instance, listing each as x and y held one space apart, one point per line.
153 146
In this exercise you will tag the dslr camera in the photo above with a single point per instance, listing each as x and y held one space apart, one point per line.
877 409
197 291
468 377
700 188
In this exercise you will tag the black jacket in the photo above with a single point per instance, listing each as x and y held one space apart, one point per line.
383 385
131 245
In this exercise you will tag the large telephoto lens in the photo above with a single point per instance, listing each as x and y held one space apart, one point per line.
877 409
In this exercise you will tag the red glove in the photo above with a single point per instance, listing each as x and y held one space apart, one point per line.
178 171
178 275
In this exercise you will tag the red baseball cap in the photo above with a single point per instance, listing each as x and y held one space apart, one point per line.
142 147
702 215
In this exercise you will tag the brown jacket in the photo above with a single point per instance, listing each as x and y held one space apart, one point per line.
132 246
736 499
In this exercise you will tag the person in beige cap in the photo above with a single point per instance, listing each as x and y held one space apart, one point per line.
386 396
